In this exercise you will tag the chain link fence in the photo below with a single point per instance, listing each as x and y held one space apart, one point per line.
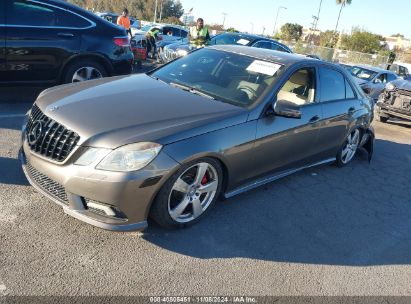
341 56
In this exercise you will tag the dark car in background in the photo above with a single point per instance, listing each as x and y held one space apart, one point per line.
222 120
395 102
49 42
173 51
371 79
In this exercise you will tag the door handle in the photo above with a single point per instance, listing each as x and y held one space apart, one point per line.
315 119
65 35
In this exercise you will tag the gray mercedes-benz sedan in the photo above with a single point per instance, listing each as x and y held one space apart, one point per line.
167 144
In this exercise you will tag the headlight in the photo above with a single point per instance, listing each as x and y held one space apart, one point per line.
390 87
92 155
130 157
182 53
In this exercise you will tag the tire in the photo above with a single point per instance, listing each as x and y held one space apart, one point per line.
79 71
183 201
348 150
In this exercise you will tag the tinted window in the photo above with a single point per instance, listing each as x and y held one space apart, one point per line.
381 78
263 45
29 13
184 34
277 47
332 85
349 93
403 71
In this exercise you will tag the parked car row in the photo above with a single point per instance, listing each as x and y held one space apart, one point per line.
55 42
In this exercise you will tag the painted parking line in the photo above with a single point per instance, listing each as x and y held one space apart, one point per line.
12 115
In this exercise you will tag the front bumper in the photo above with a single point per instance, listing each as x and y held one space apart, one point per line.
108 200
385 110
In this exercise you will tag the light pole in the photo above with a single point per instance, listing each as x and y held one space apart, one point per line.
155 13
252 28
224 14
276 18
161 10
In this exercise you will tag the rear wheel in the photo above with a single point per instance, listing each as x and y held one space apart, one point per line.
84 70
189 194
347 152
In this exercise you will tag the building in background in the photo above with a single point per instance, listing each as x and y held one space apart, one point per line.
397 43
187 18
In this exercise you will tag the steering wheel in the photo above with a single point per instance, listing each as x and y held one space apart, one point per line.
252 94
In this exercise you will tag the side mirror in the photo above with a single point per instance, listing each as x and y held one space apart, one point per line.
366 90
287 109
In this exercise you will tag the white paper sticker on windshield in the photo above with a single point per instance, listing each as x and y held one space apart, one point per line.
243 41
263 67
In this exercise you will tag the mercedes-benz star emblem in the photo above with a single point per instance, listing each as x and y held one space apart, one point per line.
35 133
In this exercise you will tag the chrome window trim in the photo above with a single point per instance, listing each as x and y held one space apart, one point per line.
92 23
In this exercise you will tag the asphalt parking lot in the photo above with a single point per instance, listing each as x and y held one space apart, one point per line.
324 231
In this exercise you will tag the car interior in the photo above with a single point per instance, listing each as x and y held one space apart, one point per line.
299 89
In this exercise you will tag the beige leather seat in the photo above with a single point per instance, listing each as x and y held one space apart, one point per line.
299 82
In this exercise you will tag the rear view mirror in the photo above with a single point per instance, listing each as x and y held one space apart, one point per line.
287 109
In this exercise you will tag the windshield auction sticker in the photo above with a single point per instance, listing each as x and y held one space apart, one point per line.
264 67
243 41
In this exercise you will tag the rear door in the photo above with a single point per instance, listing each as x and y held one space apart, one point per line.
2 41
340 105
41 37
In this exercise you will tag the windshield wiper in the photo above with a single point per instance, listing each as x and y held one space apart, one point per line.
191 90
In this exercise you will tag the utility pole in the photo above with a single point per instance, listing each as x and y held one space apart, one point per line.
318 16
276 18
263 31
252 28
155 13
161 9
224 15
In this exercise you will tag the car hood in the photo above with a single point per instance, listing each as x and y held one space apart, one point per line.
112 112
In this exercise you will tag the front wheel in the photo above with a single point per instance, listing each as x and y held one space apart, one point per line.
189 194
347 152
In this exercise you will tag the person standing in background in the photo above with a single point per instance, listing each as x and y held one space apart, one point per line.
124 21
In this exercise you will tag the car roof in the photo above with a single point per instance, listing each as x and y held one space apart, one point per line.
372 68
253 37
265 54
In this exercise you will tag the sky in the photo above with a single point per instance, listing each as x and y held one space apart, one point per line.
377 16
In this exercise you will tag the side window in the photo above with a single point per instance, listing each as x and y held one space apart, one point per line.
184 34
349 93
332 85
25 12
263 45
300 87
402 71
168 31
277 47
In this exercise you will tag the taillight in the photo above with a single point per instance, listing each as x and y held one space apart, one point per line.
122 41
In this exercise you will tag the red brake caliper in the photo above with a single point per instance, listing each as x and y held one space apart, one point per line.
204 181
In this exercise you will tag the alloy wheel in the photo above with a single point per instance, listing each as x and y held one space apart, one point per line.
86 73
193 192
351 146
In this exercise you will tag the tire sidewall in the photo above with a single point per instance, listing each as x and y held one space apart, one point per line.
159 211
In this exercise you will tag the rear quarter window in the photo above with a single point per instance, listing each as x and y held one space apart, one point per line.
333 85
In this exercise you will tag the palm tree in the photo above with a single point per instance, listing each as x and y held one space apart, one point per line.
342 4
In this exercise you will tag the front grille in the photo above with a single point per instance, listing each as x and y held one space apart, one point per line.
48 185
52 140
170 54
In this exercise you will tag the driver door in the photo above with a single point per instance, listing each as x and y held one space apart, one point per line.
284 143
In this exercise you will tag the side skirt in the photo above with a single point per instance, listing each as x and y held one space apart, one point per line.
265 180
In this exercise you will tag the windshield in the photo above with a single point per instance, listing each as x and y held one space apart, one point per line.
230 39
224 76
146 28
362 73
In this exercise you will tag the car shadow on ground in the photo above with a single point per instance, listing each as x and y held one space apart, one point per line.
400 123
11 172
356 216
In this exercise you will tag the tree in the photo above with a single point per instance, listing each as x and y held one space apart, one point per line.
327 38
362 41
342 4
172 20
291 31
232 30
